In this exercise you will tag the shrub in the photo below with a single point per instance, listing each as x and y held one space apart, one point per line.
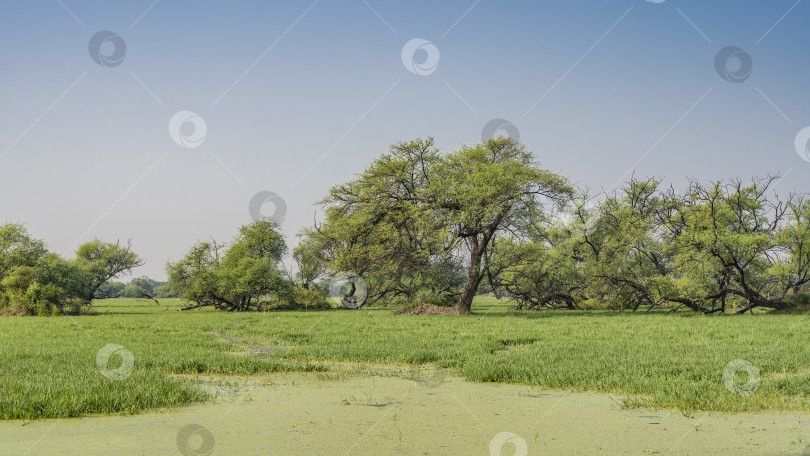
801 299
309 298
437 299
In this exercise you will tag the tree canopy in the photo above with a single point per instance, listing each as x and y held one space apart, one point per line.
34 281
703 247
415 210
419 225
245 274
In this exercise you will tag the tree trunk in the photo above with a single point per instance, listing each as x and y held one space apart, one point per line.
474 275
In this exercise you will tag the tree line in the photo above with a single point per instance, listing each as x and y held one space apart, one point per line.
421 226
709 247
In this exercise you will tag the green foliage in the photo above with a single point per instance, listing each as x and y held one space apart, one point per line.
709 248
432 297
18 248
102 261
621 253
309 298
243 275
164 290
138 287
414 212
539 273
112 289
309 257
376 226
34 281
418 225
24 295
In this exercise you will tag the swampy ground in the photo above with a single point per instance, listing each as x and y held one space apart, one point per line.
369 381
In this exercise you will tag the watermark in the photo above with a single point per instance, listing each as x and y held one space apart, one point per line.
420 56
752 383
426 375
195 440
733 64
582 216
499 127
123 371
188 129
262 198
656 1
802 144
592 218
506 438
107 49
351 289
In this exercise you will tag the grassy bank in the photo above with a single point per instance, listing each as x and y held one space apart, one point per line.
48 366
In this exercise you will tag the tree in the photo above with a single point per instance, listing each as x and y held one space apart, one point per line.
112 289
164 290
140 287
539 272
620 248
794 272
487 189
704 247
414 208
734 241
103 261
236 277
309 259
18 248
378 227
34 281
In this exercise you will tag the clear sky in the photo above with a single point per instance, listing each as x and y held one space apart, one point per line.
292 97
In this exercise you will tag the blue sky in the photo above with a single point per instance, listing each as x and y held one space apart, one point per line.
299 95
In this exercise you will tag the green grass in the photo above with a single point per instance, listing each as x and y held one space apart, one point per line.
48 365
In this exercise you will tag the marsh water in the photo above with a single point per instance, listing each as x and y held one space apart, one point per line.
420 414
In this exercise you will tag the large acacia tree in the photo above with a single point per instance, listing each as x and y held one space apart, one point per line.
377 226
491 188
415 208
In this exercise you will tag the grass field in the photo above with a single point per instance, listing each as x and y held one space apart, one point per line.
48 366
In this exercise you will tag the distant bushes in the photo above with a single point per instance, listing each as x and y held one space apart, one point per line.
309 298
140 287
34 281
